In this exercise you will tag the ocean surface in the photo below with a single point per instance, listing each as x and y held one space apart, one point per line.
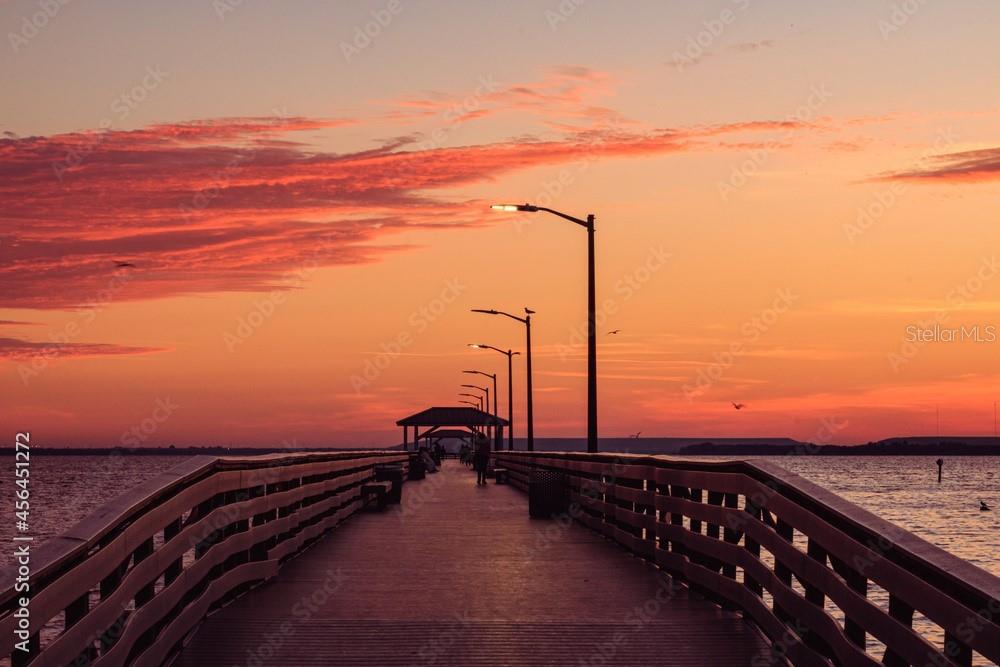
904 490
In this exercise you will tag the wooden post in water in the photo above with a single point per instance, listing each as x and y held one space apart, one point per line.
940 463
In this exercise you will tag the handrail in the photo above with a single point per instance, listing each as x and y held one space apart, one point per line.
795 558
132 579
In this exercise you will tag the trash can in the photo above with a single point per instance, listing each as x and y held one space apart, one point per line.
417 468
391 472
546 494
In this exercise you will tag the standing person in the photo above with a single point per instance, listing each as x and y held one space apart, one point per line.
482 458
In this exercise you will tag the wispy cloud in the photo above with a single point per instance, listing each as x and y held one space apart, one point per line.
966 166
17 349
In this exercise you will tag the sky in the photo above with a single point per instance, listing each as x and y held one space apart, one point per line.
795 207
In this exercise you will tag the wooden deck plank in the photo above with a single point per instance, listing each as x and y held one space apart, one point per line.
460 575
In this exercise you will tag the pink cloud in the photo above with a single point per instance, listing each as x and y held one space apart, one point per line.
229 205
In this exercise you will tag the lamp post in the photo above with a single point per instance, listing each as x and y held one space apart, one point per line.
493 376
475 396
486 409
475 405
588 224
526 321
510 388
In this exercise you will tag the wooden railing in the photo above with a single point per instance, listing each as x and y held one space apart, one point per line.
127 584
826 581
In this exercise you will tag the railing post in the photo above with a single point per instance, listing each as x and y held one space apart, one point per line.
782 571
854 631
958 651
903 613
730 535
175 568
142 552
753 547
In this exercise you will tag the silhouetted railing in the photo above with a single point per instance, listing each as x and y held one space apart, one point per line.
822 578
128 583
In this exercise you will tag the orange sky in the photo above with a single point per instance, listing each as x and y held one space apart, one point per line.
778 210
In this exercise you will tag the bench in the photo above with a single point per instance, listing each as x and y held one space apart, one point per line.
380 491
501 475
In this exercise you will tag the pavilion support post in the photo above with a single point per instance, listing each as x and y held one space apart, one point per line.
406 438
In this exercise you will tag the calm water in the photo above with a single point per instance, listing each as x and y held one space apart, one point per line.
903 490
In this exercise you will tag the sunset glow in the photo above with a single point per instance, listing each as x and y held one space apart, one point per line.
276 221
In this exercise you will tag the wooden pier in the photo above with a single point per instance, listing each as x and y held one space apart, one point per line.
277 560
460 575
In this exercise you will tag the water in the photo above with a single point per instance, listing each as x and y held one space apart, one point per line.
903 490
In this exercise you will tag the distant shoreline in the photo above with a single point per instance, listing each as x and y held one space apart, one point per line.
912 446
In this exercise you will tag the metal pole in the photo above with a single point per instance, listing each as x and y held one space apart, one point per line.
531 415
591 341
510 400
498 434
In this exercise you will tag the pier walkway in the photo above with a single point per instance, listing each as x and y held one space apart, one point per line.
460 575
281 559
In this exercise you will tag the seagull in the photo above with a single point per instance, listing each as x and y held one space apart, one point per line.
529 311
738 406
636 435
612 333
983 507
124 265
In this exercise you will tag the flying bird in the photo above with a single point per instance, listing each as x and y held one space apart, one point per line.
612 333
124 265
739 406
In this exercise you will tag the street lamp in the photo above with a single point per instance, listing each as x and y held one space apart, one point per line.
475 396
475 405
510 388
526 321
487 408
493 376
588 224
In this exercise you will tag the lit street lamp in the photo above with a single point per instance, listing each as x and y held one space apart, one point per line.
588 224
510 388
526 321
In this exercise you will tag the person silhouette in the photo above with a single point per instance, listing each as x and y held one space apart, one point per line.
481 459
